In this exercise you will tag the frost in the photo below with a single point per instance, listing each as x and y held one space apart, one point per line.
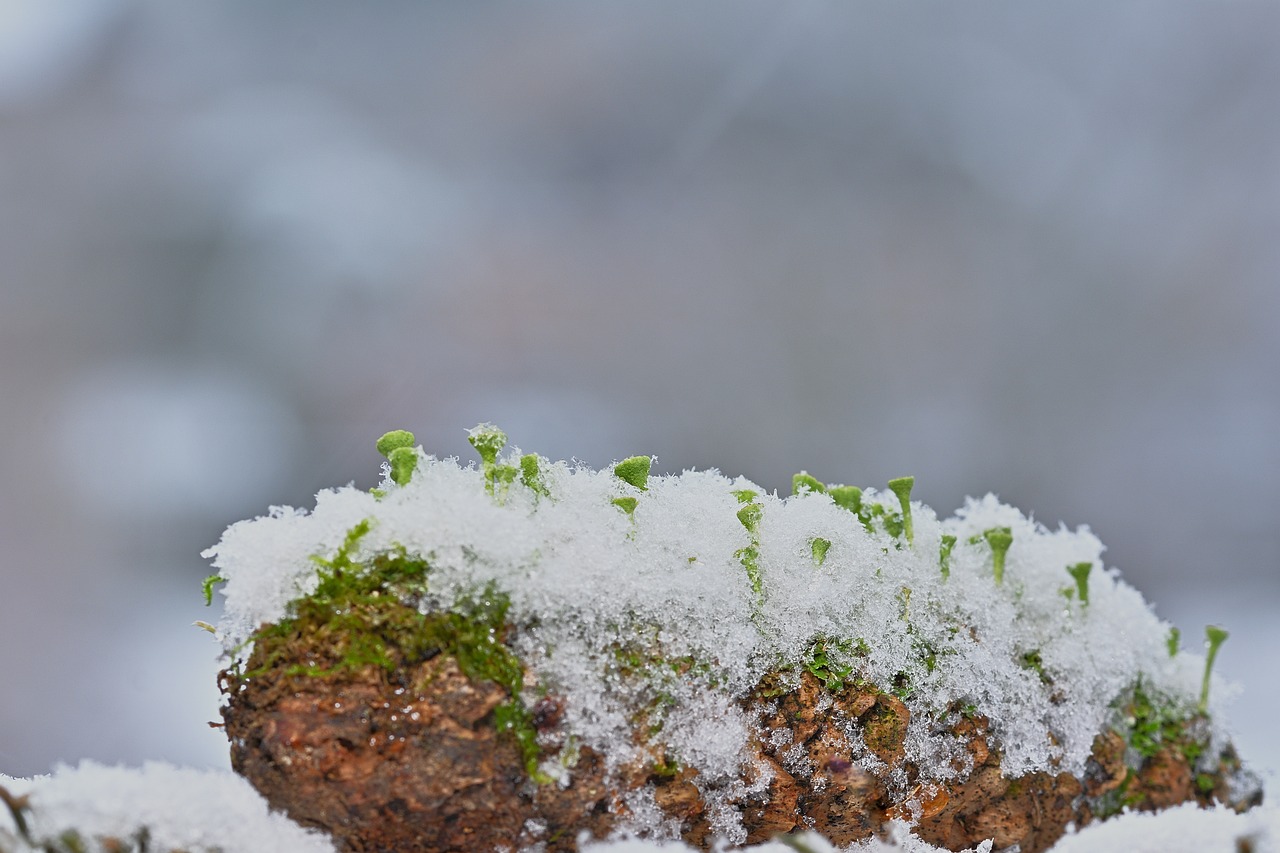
166 807
674 595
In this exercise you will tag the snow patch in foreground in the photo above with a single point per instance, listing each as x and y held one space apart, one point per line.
180 808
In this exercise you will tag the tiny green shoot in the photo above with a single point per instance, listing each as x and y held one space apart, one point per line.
944 554
634 470
1214 637
488 440
901 486
849 497
1080 571
205 626
1175 638
391 440
531 475
403 462
999 538
208 585
744 496
819 548
806 481
627 505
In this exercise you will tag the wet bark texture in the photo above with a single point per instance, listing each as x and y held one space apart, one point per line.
412 761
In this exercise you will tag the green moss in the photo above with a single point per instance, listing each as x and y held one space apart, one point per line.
488 441
833 662
944 554
819 548
901 486
806 482
366 614
1080 571
1154 722
635 471
208 585
1033 661
999 538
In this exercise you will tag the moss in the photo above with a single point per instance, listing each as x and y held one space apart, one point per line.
1033 661
833 662
1154 722
366 614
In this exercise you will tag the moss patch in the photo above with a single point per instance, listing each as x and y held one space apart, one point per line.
367 614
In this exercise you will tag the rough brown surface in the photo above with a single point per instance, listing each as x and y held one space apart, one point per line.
413 761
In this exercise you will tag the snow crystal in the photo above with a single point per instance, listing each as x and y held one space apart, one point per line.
177 808
610 581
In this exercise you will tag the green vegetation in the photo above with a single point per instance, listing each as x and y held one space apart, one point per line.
750 515
901 487
627 505
1155 722
832 661
365 613
999 538
849 497
1214 638
531 475
1080 571
397 447
207 587
806 482
1175 637
944 554
819 547
635 471
394 439
488 441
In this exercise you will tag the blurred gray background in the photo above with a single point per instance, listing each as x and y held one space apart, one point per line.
1024 248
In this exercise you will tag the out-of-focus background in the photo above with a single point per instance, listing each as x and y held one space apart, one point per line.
1024 248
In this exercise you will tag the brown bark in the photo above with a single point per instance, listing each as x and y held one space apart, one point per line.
412 761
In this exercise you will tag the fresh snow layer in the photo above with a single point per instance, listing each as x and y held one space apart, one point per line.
180 809
588 579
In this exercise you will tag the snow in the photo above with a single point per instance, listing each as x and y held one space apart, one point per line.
180 809
587 578
682 571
